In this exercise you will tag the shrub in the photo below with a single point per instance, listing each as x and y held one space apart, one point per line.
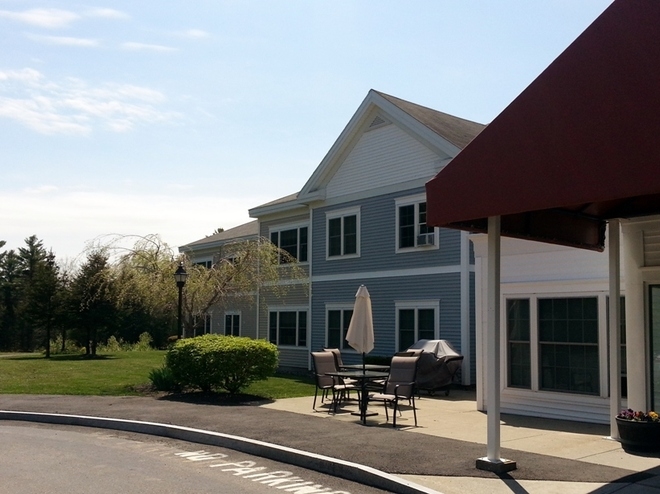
144 343
216 362
111 346
70 347
163 380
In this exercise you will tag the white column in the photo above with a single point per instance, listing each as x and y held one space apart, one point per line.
481 267
493 462
465 309
633 260
614 250
493 340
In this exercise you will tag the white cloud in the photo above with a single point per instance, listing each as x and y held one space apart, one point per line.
194 34
26 75
58 18
132 46
47 18
64 40
107 13
74 107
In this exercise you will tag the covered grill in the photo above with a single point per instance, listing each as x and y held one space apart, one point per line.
438 364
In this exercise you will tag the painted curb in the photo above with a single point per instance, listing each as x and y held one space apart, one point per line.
320 463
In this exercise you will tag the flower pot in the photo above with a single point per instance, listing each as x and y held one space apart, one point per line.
639 436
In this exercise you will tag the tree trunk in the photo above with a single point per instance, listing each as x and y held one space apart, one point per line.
63 339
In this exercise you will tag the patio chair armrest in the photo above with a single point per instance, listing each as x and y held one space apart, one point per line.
396 388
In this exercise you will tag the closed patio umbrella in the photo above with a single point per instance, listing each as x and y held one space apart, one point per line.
360 335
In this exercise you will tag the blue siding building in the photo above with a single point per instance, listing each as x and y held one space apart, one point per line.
361 220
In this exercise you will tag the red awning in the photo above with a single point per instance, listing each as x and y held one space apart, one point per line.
579 146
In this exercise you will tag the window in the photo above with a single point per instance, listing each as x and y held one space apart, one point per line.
288 328
232 324
416 321
518 327
412 230
343 232
206 264
202 324
293 241
568 344
338 321
555 347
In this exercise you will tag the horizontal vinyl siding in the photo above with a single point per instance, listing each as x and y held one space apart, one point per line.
294 358
382 157
378 240
248 311
295 296
561 406
384 293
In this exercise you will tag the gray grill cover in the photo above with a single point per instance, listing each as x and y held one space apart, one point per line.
438 364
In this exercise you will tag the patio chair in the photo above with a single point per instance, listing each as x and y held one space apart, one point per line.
337 354
324 362
400 385
339 364
411 352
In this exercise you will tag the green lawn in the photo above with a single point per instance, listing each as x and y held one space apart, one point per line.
117 374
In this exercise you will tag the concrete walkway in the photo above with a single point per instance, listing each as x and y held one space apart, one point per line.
455 417
438 455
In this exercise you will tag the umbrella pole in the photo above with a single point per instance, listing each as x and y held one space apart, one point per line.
363 407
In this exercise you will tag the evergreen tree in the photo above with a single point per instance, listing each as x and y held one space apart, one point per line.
9 278
92 292
33 291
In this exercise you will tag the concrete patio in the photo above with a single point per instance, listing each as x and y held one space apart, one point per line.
455 417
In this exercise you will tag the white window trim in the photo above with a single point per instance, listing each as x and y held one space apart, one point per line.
204 261
202 330
294 226
341 213
408 201
240 321
343 345
534 297
416 304
289 308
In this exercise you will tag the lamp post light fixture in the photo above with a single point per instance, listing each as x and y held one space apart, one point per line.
180 276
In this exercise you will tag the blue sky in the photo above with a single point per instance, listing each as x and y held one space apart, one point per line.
174 118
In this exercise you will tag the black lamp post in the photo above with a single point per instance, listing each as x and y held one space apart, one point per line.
180 276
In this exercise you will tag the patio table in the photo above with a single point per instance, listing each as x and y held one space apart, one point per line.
369 367
362 377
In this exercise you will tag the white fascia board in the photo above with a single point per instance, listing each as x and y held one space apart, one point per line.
214 244
285 207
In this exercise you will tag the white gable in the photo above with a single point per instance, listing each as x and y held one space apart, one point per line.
383 156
